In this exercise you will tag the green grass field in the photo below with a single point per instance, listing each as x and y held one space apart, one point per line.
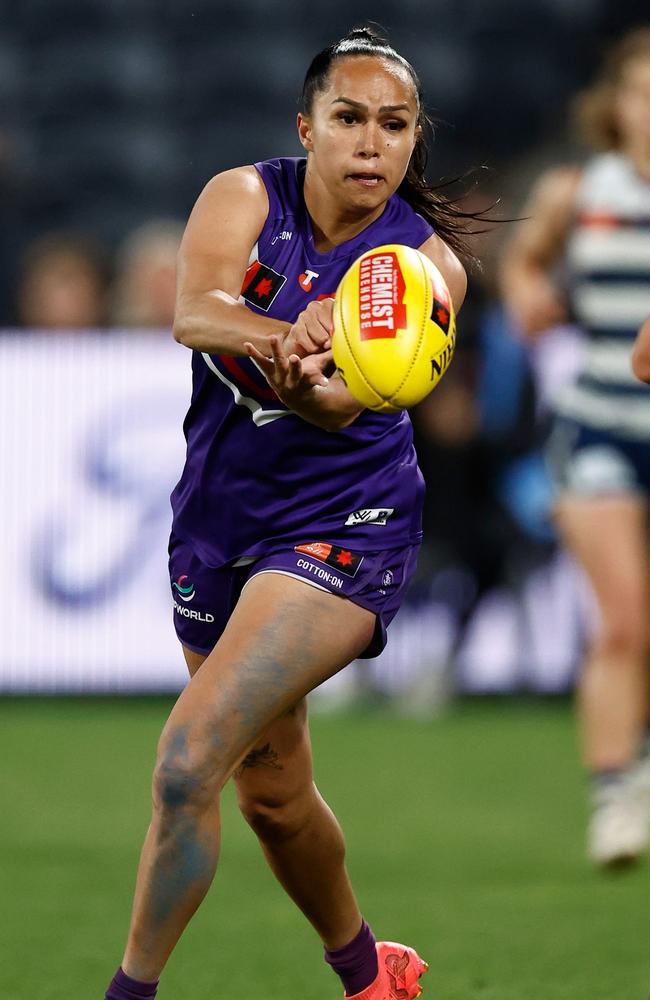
465 839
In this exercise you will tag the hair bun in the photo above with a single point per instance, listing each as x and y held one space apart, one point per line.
366 33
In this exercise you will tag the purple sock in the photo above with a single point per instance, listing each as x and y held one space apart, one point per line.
356 964
124 988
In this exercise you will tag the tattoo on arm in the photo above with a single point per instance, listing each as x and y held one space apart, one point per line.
262 756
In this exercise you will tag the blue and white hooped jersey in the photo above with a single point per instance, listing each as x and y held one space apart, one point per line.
257 476
608 264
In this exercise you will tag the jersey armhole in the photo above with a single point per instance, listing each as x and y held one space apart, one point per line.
273 221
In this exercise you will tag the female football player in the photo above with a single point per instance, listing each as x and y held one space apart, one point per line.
584 254
297 515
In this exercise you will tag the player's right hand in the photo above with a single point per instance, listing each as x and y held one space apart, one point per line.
312 331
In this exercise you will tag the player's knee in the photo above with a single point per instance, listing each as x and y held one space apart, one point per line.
275 818
175 787
624 634
182 783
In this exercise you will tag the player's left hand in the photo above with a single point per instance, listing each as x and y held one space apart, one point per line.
312 331
289 375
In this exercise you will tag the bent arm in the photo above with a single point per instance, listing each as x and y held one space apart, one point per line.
332 406
528 291
304 386
222 230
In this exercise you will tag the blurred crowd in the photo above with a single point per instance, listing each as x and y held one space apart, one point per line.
68 281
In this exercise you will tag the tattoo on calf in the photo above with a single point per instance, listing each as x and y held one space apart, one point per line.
262 756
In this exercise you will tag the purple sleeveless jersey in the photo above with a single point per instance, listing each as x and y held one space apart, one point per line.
258 476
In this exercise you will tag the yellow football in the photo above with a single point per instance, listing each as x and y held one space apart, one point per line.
394 328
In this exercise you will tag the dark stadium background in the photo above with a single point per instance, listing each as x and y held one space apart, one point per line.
114 111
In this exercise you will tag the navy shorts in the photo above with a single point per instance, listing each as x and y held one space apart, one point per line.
204 597
590 462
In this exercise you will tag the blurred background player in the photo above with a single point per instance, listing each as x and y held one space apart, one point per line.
63 283
144 290
264 479
583 254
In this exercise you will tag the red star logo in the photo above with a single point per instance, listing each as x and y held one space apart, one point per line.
344 558
443 316
263 287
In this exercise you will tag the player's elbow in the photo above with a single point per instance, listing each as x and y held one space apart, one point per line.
338 421
184 332
332 424
339 425
457 284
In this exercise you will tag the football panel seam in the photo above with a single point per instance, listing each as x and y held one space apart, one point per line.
418 348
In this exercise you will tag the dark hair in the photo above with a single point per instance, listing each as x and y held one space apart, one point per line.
449 222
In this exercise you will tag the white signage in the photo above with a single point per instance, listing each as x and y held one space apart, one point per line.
91 443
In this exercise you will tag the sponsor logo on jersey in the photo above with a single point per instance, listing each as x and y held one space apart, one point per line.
341 559
261 285
306 278
370 515
381 297
320 573
286 234
197 616
185 591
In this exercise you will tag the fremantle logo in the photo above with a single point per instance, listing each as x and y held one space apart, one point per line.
261 285
370 515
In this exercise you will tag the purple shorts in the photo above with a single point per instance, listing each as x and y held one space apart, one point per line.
204 597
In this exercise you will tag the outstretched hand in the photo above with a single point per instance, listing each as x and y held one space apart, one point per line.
288 374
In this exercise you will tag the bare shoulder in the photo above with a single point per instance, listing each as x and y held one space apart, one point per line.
235 198
449 266
245 182
222 230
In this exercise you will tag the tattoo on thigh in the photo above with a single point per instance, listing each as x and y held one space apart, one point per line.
264 756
